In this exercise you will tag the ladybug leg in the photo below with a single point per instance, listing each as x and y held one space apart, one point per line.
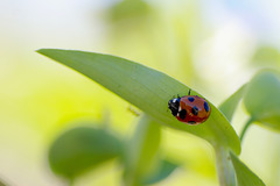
189 91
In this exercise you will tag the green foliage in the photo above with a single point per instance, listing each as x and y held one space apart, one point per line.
150 91
81 149
245 177
165 168
129 9
142 151
84 148
147 89
267 56
261 99
229 105
142 160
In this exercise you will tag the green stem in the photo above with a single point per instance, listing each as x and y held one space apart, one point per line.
246 126
225 168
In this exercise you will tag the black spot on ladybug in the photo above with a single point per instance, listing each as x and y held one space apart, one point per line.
206 106
191 99
183 114
191 122
195 110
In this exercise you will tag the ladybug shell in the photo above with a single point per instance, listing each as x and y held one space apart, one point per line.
193 110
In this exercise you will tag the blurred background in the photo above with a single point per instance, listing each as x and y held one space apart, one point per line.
212 46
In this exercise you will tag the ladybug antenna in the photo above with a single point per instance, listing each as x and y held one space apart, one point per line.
189 91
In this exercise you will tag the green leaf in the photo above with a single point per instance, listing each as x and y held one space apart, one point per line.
142 151
266 56
245 177
166 168
129 9
81 149
229 105
147 89
262 99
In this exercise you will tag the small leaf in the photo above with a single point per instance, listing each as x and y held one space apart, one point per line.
245 177
262 99
142 151
166 168
80 149
229 105
147 89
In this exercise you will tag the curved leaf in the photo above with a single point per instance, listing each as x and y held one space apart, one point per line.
245 177
80 149
166 168
262 99
229 105
147 89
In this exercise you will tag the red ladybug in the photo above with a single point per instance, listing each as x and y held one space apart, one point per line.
190 109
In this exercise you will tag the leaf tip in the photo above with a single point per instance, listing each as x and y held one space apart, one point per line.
42 50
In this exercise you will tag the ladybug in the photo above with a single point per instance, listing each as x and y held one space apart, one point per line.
190 109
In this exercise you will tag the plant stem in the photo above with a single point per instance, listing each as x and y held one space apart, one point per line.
246 126
225 168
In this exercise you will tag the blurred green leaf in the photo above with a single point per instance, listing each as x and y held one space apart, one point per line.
267 56
262 99
128 9
229 105
80 149
245 177
166 168
147 89
142 151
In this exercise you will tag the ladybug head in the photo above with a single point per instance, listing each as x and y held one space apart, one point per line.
174 105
